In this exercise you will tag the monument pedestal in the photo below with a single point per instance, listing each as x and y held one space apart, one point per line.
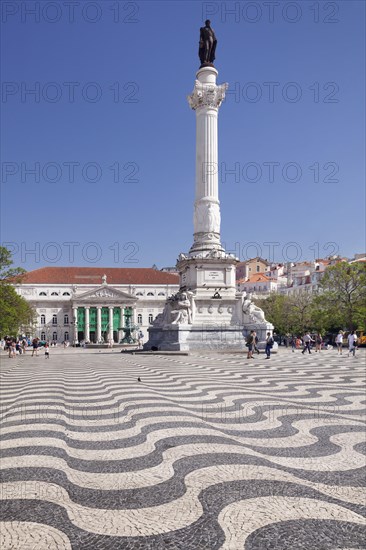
197 338
207 313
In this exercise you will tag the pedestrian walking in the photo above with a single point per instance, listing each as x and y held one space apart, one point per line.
318 342
293 343
269 345
307 340
46 350
140 339
24 345
250 344
255 345
35 342
12 350
352 343
339 342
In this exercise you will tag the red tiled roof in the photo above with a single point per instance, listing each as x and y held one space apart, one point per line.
93 275
322 261
258 278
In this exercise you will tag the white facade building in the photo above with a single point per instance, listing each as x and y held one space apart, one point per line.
305 277
95 304
259 285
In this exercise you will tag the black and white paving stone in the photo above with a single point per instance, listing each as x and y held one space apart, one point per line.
206 452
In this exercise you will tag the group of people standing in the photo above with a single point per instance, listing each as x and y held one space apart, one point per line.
14 346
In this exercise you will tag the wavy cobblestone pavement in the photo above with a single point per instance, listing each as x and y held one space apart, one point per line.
206 452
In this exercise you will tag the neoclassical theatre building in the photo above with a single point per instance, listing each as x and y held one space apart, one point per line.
95 304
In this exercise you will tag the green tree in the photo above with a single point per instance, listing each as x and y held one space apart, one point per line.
278 311
301 306
15 313
291 314
343 295
7 272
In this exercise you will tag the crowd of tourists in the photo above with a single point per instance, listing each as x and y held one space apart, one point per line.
306 343
17 346
14 346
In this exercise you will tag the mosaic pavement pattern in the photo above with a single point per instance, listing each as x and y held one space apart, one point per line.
206 452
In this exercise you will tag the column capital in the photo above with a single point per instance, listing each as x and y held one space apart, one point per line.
207 95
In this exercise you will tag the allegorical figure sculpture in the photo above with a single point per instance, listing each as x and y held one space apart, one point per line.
207 45
179 309
182 312
256 314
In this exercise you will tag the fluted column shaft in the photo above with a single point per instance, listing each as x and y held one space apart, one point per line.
206 99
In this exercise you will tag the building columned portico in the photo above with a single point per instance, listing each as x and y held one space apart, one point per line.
98 315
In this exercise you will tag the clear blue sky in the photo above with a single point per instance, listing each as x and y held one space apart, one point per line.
312 114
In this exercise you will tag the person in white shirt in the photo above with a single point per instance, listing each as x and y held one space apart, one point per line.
307 339
339 341
352 343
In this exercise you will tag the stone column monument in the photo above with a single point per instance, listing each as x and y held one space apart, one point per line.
207 312
205 100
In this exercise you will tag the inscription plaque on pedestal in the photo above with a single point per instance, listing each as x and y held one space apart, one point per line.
216 276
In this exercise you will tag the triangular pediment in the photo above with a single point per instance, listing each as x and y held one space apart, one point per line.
106 294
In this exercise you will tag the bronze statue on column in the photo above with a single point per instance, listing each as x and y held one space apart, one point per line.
207 45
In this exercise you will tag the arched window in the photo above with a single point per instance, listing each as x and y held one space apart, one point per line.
139 294
151 318
161 294
54 336
43 319
43 336
150 294
139 319
66 294
66 319
66 337
54 293
42 294
54 319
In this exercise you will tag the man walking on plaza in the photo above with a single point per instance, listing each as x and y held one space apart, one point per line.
255 344
352 343
35 346
250 344
339 341
307 339
269 345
